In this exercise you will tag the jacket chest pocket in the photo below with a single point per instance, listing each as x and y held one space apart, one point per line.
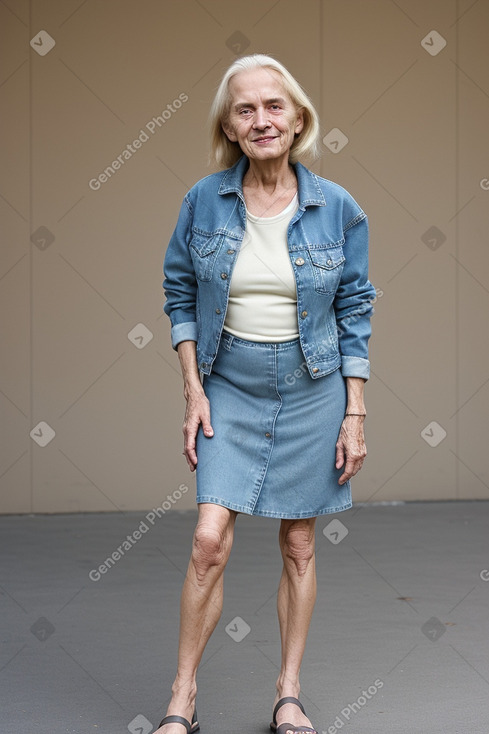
203 251
327 266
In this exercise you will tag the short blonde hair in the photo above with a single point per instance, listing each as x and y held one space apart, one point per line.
223 151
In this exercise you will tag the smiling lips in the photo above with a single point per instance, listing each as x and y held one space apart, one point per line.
264 139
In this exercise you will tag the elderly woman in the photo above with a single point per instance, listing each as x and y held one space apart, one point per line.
270 303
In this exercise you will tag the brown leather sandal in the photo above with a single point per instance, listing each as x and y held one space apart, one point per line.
286 727
190 727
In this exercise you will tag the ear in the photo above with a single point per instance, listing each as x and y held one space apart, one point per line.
299 125
229 131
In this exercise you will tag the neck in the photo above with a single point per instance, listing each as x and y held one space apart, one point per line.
270 175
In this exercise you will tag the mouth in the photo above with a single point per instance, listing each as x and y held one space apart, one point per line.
264 139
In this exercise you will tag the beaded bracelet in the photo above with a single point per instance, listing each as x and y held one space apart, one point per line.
359 414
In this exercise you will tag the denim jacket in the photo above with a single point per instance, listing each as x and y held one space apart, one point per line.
328 248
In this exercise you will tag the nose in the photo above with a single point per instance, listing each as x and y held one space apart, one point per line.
261 120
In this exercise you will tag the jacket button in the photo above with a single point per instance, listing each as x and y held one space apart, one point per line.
224 276
267 435
300 261
329 262
203 365
231 252
303 314
315 369
218 310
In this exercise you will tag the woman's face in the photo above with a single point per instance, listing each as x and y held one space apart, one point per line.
262 117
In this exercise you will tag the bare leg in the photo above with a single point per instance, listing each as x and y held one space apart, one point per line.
295 604
201 605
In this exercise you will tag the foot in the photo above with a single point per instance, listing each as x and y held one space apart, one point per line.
291 713
180 705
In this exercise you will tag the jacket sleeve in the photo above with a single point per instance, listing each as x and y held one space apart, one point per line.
180 284
353 301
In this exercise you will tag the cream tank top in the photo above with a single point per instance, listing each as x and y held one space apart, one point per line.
262 297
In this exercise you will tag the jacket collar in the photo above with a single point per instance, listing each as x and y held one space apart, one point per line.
309 190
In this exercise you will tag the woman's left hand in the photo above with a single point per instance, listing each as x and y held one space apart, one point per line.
350 447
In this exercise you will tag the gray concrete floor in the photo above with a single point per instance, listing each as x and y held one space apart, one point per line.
398 643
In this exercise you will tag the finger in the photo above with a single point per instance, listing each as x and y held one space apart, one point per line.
349 472
352 467
191 464
189 432
191 457
207 427
340 455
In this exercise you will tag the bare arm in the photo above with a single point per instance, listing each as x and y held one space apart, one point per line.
197 410
350 447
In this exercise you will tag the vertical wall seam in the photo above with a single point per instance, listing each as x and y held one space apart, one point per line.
321 79
457 279
31 266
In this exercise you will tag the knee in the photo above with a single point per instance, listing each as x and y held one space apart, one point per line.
298 546
208 550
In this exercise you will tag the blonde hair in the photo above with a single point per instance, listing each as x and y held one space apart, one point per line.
223 151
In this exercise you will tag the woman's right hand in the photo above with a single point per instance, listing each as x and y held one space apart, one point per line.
197 412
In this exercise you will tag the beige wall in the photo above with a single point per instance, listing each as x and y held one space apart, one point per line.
417 153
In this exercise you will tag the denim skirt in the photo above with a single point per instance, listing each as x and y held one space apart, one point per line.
275 430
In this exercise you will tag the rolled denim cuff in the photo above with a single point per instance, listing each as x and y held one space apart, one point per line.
187 331
355 367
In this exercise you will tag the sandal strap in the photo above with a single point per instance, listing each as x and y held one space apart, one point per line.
283 701
177 720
